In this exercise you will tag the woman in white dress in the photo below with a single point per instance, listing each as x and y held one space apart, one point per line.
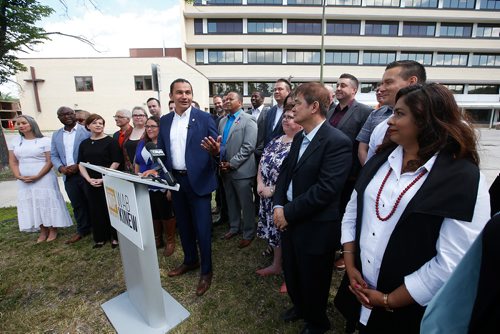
40 205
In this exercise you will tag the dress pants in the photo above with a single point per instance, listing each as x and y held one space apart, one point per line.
308 278
194 221
75 185
240 205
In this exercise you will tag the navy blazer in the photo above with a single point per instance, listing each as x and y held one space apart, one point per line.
270 132
200 165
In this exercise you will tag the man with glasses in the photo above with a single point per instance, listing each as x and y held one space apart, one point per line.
81 116
122 120
64 156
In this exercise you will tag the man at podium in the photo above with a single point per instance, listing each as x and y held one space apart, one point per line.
181 133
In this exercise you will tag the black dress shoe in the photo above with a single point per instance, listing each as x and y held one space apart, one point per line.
219 221
290 315
98 245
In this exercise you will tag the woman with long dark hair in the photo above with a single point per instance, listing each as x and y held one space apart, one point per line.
417 206
40 205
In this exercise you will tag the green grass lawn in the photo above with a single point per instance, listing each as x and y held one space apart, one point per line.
58 288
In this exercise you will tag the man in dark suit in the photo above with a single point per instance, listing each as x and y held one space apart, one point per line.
64 156
306 207
181 133
273 127
348 116
259 113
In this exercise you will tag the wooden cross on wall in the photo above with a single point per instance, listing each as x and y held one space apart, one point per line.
35 82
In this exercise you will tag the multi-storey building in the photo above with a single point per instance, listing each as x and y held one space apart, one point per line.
245 45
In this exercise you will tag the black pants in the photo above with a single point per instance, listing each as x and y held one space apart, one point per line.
99 216
308 278
75 188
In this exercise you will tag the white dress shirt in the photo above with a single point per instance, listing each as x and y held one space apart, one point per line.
256 112
455 236
69 144
178 137
376 138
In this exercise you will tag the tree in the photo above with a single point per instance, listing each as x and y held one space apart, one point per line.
19 33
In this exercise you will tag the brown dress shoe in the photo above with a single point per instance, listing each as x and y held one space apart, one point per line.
244 243
228 235
182 269
203 284
73 239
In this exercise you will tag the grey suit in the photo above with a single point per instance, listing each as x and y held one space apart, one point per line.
353 120
239 152
74 184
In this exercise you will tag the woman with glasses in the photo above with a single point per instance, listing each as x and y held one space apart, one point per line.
272 158
139 118
161 205
417 206
40 205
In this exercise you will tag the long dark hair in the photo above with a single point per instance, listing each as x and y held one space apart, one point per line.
145 135
441 125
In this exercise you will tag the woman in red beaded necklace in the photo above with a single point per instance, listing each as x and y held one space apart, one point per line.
418 205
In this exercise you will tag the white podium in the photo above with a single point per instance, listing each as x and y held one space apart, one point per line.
145 307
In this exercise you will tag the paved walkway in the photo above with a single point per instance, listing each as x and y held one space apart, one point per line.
489 142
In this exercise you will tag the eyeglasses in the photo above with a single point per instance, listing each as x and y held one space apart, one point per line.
288 117
115 117
80 120
138 115
151 126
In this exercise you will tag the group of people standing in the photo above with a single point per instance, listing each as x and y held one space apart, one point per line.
403 214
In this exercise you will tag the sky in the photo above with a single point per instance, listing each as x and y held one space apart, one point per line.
114 27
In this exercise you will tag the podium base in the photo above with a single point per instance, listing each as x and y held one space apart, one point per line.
125 318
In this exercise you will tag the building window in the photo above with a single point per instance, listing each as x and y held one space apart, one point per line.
422 58
266 88
343 28
421 3
378 58
219 26
264 56
343 2
368 87
304 27
264 2
341 57
455 30
303 56
225 56
223 2
222 88
483 89
84 84
143 82
420 29
485 60
199 56
380 28
198 26
455 89
490 4
382 3
305 2
265 26
479 116
451 59
488 31
461 4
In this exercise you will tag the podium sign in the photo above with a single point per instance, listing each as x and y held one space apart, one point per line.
122 207
145 307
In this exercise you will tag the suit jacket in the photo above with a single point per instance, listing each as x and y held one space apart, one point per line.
351 124
261 131
271 132
57 150
240 146
318 179
199 163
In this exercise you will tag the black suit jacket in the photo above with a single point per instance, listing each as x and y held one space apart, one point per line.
261 131
351 124
270 131
318 178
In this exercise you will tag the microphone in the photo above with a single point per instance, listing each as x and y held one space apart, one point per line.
157 154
